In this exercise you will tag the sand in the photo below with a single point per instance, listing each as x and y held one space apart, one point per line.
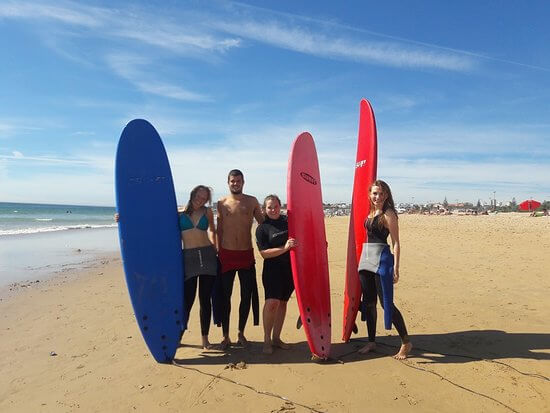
473 291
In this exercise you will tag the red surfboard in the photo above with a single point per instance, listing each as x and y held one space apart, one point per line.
306 223
365 174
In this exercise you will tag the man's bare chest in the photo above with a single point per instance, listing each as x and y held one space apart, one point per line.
237 209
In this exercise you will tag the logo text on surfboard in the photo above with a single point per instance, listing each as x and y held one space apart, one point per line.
308 178
360 164
146 179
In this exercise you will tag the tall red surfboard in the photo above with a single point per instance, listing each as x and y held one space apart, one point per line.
306 223
365 174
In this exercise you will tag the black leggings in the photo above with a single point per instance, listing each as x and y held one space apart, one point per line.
371 286
246 280
206 285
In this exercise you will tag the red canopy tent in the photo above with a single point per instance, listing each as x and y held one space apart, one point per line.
529 205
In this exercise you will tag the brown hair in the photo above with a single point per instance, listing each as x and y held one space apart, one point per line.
388 203
271 197
234 172
189 207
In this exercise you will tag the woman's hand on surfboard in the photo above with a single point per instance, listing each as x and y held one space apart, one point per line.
291 243
116 217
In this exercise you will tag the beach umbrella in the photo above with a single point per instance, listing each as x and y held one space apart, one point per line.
529 205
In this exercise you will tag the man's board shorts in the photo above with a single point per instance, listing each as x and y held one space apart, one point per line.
236 259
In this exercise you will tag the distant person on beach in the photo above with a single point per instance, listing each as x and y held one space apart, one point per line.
236 212
274 245
543 213
198 234
381 222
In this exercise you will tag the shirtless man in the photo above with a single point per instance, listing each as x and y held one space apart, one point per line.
236 212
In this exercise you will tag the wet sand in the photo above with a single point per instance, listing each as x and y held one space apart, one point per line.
473 291
37 256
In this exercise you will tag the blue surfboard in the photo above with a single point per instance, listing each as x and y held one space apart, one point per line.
150 238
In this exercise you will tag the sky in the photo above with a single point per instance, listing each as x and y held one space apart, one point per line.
460 91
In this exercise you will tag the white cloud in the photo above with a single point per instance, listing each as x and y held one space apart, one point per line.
11 127
170 91
394 102
84 133
141 25
132 68
70 14
263 159
178 39
189 32
19 157
336 46
5 129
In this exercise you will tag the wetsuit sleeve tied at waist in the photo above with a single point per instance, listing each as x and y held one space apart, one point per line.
374 256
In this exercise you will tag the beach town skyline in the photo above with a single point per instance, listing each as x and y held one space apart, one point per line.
512 203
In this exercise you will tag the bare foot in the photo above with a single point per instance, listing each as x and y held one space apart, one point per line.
206 344
224 345
268 348
242 340
279 343
403 351
369 347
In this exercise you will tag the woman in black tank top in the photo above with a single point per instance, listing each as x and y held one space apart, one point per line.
381 222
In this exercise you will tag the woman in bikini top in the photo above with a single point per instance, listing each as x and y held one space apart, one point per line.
196 221
198 235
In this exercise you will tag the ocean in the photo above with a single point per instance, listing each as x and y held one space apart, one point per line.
40 240
16 218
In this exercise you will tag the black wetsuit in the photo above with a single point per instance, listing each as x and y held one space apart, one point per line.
206 286
371 285
277 272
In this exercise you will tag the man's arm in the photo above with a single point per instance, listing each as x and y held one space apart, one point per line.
219 230
258 215
211 227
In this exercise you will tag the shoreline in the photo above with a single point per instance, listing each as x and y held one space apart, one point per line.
65 273
473 297
38 256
